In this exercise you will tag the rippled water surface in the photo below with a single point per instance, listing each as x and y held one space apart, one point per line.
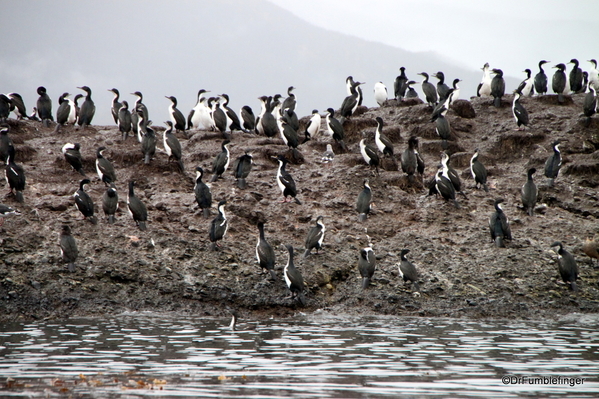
316 356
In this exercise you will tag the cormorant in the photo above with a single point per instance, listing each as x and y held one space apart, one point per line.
265 254
68 248
497 87
553 163
478 171
363 203
366 265
382 142
87 110
72 155
221 162
568 269
380 93
15 175
173 147
44 106
484 87
84 202
137 209
177 118
218 226
285 181
541 79
401 85
110 202
104 167
559 81
529 193
520 113
202 193
407 270
243 168
429 90
293 277
335 128
499 226
315 236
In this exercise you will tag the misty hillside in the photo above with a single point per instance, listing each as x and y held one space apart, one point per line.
243 48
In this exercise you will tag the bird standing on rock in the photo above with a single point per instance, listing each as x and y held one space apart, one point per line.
137 209
576 77
199 116
15 175
44 106
484 87
520 113
559 82
529 193
380 93
285 181
526 87
73 156
363 203
568 269
442 88
242 169
499 225
313 126
221 162
116 105
366 265
87 110
408 271
68 248
265 254
315 236
328 156
553 163
202 193
429 90
541 79
478 171
369 154
444 186
84 202
177 118
335 128
172 147
589 106
293 277
148 140
5 143
497 87
110 202
409 160
104 167
124 120
382 142
218 226
401 85
66 113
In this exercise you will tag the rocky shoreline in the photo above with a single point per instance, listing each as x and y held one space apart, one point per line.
169 267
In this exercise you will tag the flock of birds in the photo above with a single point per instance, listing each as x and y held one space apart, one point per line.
277 117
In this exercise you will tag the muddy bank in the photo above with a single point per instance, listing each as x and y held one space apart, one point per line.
169 267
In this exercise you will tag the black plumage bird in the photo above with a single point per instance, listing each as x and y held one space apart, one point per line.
243 168
589 106
219 118
401 84
553 163
293 277
233 122
248 118
124 120
5 143
541 79
15 175
520 113
141 107
429 90
499 225
497 87
148 140
576 77
478 171
442 88
68 248
290 102
221 162
369 154
44 106
72 155
351 102
407 270
137 209
364 200
410 91
116 105
104 167
17 105
444 186
218 226
442 127
366 265
110 203
315 236
265 254
177 118
66 112
87 110
453 174
288 134
409 160
529 193
5 104
172 147
202 193
558 82
568 269
335 128
382 142
285 181
84 202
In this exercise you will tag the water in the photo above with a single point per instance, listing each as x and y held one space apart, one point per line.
316 356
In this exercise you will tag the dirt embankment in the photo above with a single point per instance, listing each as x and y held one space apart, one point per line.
169 267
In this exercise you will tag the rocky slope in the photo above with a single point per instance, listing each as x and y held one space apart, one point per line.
169 267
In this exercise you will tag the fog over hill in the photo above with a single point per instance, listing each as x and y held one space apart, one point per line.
243 48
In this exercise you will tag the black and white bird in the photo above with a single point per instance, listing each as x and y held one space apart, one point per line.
288 134
335 129
529 193
366 265
218 226
290 117
349 84
315 236
5 143
233 122
265 254
526 87
219 118
559 82
110 203
7 211
442 88
88 108
442 126
566 264
104 167
17 105
478 171
313 125
382 142
429 90
172 147
202 193
116 104
520 113
499 225
351 102
401 85
455 91
541 79
124 120
369 154
138 106
444 186
137 209
293 277
221 162
243 167
248 118
290 102
5 104
409 160
363 202
576 78
148 138
44 106
497 87
407 270
72 155
589 106
199 116
410 91
285 181
453 174
15 175
84 203
380 93
484 87
66 112
266 123
176 116
553 163
328 156
68 248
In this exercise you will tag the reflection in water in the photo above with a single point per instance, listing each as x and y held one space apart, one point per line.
315 356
